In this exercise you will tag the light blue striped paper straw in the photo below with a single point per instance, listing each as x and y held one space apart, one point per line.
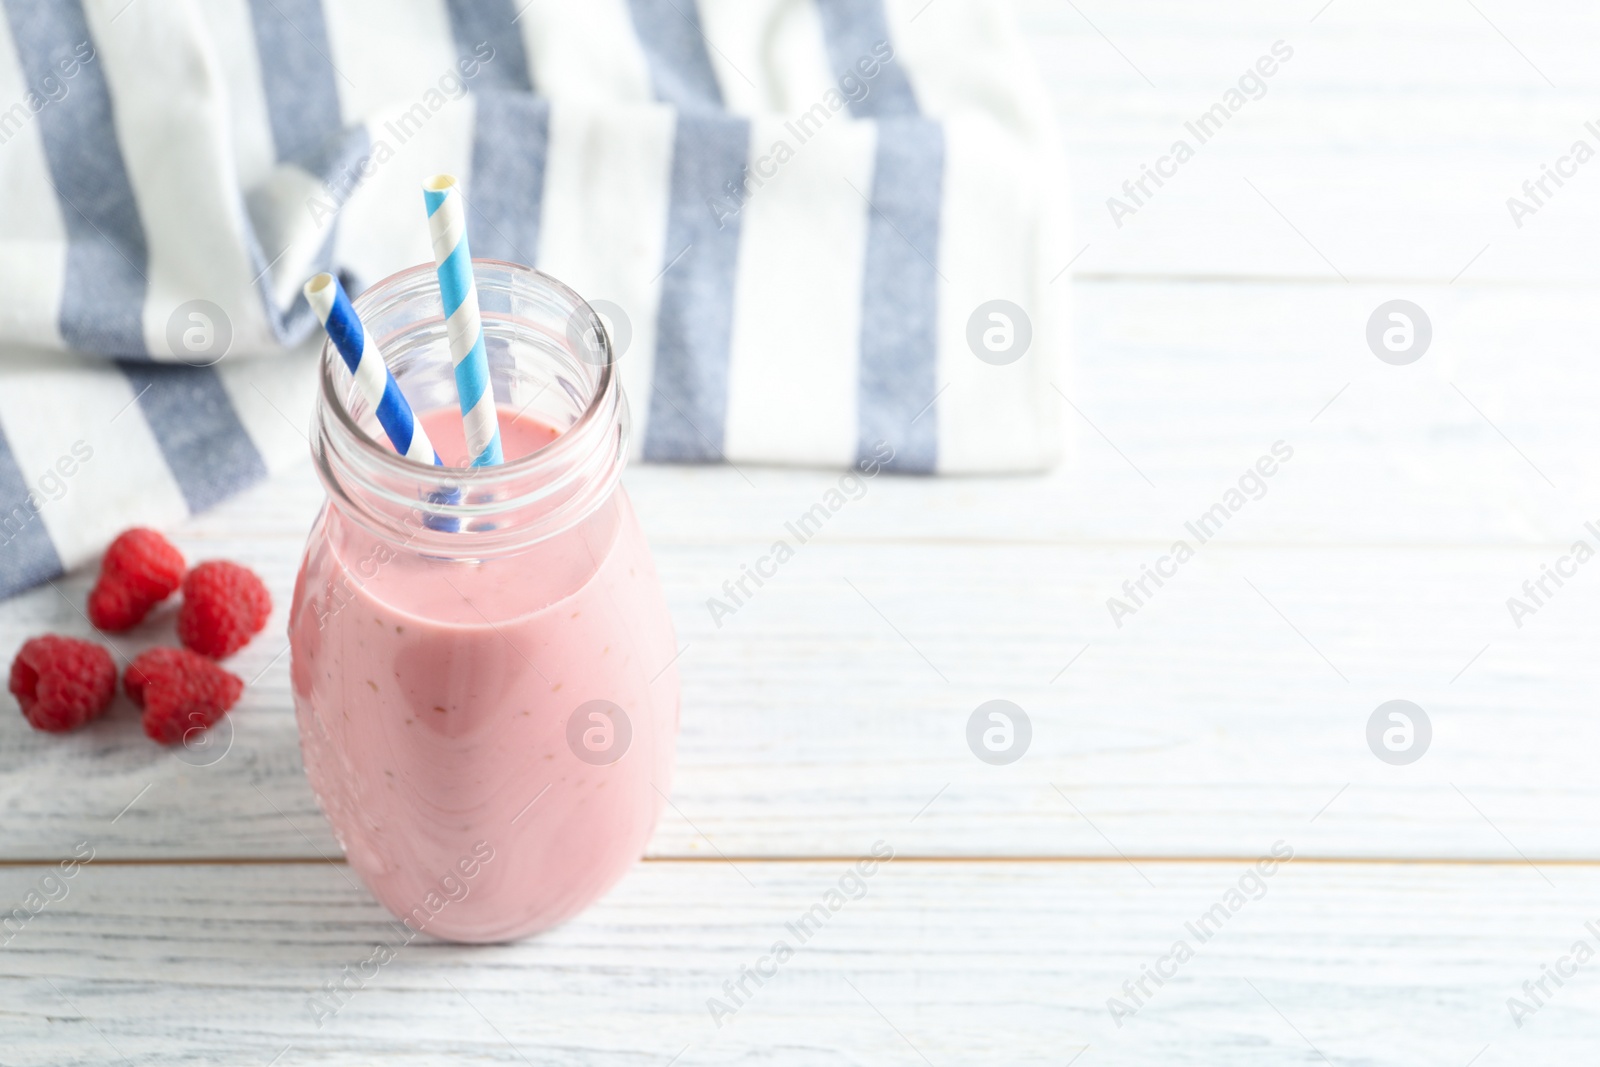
377 386
447 223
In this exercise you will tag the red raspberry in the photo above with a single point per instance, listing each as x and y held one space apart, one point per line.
224 606
140 569
62 682
114 606
179 691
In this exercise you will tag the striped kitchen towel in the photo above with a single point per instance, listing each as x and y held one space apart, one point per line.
815 225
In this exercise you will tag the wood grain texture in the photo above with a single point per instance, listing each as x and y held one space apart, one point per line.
1385 148
1203 725
937 963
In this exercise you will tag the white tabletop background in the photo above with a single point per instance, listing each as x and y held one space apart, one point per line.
1227 716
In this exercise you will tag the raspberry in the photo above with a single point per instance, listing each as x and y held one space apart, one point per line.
140 569
62 682
224 606
114 606
179 691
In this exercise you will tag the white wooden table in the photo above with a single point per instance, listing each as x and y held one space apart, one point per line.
1168 756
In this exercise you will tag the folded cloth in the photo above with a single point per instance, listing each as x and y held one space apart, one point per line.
813 225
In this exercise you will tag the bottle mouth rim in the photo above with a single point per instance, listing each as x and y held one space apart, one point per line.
397 287
468 512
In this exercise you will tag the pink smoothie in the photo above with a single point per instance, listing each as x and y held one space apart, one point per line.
434 700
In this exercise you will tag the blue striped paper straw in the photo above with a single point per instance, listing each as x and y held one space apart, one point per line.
377 386
447 223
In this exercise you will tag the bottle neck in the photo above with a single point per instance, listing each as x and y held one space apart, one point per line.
550 360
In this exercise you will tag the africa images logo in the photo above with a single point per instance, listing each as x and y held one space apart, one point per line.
1252 85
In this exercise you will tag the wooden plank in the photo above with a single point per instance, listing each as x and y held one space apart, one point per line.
1231 707
1391 140
932 962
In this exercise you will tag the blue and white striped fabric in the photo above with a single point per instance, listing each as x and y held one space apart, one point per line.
800 208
